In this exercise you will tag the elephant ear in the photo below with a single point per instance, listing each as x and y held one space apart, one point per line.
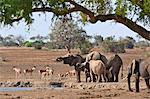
103 59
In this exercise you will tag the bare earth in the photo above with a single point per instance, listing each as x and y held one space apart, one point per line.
27 57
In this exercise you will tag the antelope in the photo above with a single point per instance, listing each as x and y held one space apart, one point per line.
17 71
46 72
26 71
49 71
61 75
70 73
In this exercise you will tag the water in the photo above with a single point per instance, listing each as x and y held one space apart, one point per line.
7 89
10 89
52 85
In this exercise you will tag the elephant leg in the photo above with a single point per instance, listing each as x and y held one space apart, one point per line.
98 78
108 78
90 79
116 78
91 74
78 76
94 77
112 78
105 79
129 85
86 78
147 84
105 76
137 82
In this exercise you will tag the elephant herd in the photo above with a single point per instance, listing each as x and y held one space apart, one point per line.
95 65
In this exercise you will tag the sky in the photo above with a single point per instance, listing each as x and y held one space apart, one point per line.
42 26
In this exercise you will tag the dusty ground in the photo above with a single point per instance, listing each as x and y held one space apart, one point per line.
26 58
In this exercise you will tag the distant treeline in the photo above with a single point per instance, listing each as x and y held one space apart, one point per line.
108 44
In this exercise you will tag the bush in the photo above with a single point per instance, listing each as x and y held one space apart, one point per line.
129 45
28 44
84 47
142 44
111 46
10 43
38 44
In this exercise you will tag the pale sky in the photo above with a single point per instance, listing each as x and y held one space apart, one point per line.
42 26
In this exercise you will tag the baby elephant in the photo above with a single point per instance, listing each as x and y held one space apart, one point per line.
97 69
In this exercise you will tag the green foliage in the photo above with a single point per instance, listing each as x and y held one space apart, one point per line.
28 44
84 17
110 45
84 46
38 44
14 9
117 47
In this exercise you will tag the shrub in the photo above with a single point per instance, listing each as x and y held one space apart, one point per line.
28 44
142 44
38 44
111 46
85 47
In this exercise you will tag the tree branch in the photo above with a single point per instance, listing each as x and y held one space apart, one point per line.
127 22
16 20
93 19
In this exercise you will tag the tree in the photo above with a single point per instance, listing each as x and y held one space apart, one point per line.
39 38
1 40
98 39
67 34
10 40
127 12
111 45
20 40
38 41
129 42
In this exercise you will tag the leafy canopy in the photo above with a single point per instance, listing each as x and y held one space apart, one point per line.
127 12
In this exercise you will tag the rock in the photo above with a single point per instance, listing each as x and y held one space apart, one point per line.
55 84
17 84
81 86
91 86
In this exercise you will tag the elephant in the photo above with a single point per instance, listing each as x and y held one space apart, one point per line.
95 56
139 67
114 64
87 73
97 68
73 60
